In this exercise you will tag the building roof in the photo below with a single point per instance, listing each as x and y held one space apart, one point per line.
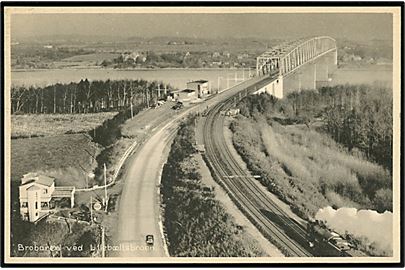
39 179
45 180
63 192
199 81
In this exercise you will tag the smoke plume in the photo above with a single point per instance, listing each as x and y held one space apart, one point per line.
361 223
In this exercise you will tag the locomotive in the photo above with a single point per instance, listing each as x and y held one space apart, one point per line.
326 242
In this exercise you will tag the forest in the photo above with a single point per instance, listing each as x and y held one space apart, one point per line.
85 96
356 116
330 136
331 147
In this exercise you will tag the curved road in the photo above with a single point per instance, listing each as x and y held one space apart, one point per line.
139 205
139 210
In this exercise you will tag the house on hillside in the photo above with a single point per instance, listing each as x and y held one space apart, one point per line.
38 196
216 55
242 56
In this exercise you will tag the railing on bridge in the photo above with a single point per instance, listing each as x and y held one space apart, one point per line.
288 56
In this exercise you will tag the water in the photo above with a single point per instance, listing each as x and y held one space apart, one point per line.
363 76
179 77
175 77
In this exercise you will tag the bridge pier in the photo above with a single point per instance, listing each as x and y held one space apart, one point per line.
311 76
275 88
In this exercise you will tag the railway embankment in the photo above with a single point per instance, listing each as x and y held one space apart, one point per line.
195 222
304 166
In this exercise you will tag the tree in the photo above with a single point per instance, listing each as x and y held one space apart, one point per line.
383 200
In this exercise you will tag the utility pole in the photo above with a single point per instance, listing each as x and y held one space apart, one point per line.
132 107
299 82
315 77
105 188
91 209
147 97
54 99
102 242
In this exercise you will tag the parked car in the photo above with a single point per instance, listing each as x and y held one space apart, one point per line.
150 240
178 106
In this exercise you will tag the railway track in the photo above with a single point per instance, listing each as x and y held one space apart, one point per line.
270 219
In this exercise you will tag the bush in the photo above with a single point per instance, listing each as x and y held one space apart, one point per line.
196 224
308 170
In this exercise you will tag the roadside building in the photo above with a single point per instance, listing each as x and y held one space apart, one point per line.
37 194
184 96
200 86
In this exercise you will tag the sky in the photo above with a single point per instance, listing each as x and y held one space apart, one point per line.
344 25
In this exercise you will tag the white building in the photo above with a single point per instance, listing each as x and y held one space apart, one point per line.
200 86
36 192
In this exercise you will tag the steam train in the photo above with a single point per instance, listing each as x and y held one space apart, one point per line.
328 243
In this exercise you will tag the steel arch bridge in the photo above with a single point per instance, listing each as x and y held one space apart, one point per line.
286 57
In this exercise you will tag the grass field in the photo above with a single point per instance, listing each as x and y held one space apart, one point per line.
308 170
65 157
55 124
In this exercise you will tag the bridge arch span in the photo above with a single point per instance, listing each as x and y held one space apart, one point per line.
286 57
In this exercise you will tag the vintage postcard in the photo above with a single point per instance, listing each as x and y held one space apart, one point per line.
202 134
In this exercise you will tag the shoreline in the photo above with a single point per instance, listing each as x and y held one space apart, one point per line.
382 67
122 69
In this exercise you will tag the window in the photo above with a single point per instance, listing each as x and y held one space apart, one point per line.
36 205
24 204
